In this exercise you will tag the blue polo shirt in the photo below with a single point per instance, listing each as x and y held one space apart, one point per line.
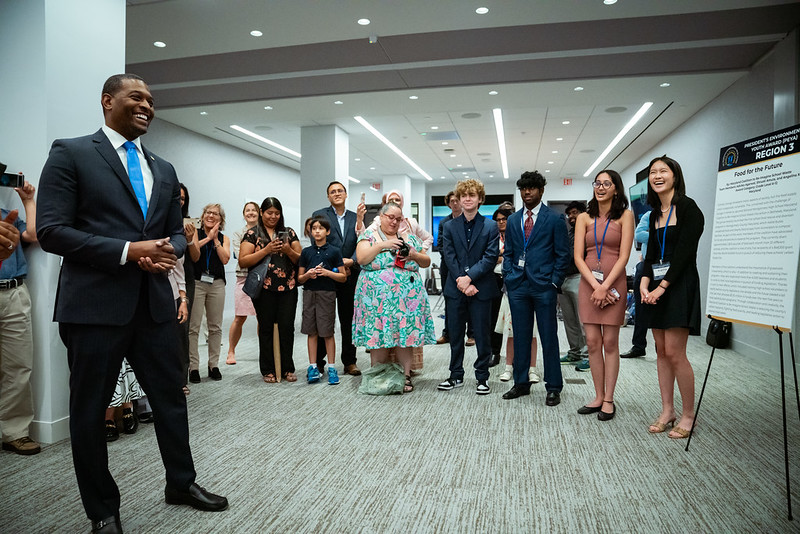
15 266
329 256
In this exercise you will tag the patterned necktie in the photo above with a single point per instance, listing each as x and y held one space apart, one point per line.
135 175
528 225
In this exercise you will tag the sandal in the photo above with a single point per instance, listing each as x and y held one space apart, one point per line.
659 426
269 378
408 387
290 377
681 433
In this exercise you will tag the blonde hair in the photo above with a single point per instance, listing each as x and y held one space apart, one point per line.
465 187
221 213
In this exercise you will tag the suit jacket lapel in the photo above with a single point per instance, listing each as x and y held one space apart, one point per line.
157 179
480 220
111 157
458 228
540 219
335 223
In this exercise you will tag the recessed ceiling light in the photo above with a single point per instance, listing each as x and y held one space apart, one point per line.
445 143
452 155
268 108
555 151
357 159
579 88
547 170
338 102
482 10
609 2
372 168
204 113
413 97
459 165
464 173
559 138
491 176
256 33
550 162
442 177
434 127
493 93
565 122
665 84
364 22
159 44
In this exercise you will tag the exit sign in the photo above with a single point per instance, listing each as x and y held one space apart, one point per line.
567 181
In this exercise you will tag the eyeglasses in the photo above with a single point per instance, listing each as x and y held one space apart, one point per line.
214 213
604 185
393 218
501 219
336 191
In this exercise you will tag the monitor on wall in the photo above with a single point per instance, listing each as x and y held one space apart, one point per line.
439 211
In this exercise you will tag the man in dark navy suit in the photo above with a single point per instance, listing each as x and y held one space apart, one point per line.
111 209
470 246
534 263
343 235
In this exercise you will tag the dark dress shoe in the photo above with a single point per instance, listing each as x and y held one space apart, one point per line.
585 410
635 352
194 376
517 391
352 369
109 525
553 398
604 416
196 497
129 421
214 374
494 361
145 417
112 434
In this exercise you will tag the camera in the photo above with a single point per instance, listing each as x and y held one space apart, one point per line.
403 250
12 180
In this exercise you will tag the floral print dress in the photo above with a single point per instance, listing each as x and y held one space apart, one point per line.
391 305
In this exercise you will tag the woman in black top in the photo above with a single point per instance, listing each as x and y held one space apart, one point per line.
671 285
209 292
278 300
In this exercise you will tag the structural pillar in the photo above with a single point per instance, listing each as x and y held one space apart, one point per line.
326 153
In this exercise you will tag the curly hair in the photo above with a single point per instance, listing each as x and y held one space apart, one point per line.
465 187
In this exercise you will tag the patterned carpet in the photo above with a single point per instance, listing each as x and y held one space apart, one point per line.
317 458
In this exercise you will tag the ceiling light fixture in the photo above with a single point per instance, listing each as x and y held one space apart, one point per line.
550 162
256 33
389 144
413 97
353 180
434 127
267 141
579 88
555 151
501 139
559 138
482 10
372 168
493 93
268 108
159 44
357 159
338 102
452 155
665 84
620 135
609 2
364 22
204 113
564 122
445 143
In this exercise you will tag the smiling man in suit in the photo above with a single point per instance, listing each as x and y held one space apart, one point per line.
111 209
534 264
343 235
470 246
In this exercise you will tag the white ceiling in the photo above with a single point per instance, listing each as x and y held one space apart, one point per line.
533 53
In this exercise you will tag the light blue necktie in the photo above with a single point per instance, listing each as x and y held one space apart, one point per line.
135 175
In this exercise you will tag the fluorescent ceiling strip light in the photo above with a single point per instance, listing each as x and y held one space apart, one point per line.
353 180
267 141
501 139
388 143
618 138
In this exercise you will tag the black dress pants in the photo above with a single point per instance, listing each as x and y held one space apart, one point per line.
276 307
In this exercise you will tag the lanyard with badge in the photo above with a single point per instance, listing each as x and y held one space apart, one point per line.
207 277
521 261
598 271
661 268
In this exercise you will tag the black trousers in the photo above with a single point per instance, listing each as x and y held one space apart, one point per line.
641 319
276 307
95 355
345 300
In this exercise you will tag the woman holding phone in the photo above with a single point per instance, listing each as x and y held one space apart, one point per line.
278 300
603 239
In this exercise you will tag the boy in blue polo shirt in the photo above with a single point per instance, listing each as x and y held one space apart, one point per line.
320 267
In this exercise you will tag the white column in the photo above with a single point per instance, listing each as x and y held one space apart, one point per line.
326 153
54 58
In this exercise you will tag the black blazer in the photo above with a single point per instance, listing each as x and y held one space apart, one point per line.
477 260
87 210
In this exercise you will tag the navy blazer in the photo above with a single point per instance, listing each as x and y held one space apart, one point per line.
347 242
87 210
547 254
476 260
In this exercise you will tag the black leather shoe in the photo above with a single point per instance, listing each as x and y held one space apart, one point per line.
145 417
517 391
196 497
194 376
495 360
129 421
585 410
112 434
635 352
109 525
605 416
214 374
553 398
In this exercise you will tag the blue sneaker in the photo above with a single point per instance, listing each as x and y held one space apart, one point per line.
313 374
583 366
333 376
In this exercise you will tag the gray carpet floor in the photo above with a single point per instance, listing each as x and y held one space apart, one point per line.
294 457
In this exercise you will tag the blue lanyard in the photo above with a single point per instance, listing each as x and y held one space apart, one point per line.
663 240
208 258
599 248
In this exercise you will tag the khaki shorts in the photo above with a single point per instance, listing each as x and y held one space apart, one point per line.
319 313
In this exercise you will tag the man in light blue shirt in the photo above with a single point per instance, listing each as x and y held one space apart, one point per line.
639 340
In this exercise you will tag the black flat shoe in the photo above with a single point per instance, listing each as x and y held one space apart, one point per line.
109 525
553 398
604 416
214 374
585 410
194 376
112 434
129 421
145 417
633 353
517 391
196 497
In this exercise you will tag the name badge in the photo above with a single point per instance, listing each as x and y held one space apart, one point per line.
598 275
207 278
660 270
521 263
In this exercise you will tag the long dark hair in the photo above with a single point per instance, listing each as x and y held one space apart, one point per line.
618 204
679 188
185 207
271 202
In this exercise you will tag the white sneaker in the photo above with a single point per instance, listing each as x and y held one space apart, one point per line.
505 376
532 376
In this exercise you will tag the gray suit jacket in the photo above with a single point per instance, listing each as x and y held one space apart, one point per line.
87 210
